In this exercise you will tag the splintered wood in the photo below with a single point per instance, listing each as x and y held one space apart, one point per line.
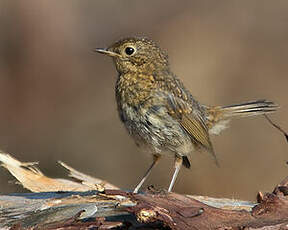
33 179
91 203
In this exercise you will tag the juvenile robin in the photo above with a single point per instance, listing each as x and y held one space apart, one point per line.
159 112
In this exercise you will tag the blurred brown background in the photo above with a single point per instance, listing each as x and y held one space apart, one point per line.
57 96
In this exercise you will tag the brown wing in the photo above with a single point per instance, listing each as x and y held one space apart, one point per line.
198 131
192 123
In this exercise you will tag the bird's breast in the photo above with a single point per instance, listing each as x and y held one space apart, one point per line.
134 89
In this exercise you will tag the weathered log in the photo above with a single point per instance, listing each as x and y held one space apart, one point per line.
108 209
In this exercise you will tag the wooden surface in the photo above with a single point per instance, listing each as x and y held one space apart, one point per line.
107 208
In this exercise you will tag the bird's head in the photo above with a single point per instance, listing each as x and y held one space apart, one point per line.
136 55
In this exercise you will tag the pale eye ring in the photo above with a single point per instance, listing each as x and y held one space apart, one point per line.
129 50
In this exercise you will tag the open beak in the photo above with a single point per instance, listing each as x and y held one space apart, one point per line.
107 52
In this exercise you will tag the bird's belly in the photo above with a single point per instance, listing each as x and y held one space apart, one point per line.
155 130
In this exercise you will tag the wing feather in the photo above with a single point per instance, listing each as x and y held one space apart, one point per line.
192 122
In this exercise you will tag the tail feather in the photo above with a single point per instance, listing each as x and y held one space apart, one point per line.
251 108
219 116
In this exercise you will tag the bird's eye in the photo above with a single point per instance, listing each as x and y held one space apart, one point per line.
129 50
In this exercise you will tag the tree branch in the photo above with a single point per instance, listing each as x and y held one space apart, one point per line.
109 208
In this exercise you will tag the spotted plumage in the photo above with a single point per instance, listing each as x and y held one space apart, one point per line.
159 112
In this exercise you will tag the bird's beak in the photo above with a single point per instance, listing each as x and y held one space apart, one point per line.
107 52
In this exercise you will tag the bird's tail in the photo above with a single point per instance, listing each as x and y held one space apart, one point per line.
218 116
251 108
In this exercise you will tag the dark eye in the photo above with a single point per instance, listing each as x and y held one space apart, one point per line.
129 50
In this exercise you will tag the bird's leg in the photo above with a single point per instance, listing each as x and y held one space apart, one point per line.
177 165
155 160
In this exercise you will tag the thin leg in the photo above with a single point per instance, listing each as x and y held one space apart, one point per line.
155 160
177 165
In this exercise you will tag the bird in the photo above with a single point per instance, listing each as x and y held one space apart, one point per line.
160 113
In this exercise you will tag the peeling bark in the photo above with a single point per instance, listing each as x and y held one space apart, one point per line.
116 209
